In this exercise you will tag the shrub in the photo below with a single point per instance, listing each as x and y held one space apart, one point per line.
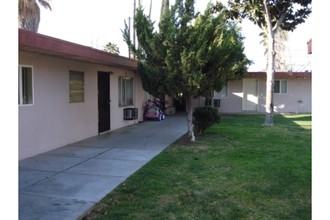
205 117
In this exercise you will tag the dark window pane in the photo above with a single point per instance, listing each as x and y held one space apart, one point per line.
27 85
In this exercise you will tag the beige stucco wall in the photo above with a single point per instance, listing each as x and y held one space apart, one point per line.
232 103
296 100
52 121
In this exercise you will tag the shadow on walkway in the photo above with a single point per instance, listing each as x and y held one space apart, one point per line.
67 182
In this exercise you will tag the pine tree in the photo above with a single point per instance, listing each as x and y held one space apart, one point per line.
191 54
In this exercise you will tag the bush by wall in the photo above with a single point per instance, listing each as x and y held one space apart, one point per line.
205 117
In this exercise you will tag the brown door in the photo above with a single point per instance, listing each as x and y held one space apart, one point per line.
103 81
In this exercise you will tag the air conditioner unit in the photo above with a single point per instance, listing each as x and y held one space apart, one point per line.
130 113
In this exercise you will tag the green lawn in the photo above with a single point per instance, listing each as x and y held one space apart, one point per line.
238 170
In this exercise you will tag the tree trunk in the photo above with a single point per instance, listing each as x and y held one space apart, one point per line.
209 99
190 110
270 81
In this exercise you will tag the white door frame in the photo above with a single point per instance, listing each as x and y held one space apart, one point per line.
250 101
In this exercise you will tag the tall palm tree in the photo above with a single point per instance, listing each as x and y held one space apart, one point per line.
29 13
165 7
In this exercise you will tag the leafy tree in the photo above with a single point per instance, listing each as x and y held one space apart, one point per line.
270 15
29 14
191 54
111 48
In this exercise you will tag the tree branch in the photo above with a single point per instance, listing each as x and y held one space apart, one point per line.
279 21
267 15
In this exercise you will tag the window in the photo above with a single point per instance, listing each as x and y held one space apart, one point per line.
281 86
125 85
25 87
76 86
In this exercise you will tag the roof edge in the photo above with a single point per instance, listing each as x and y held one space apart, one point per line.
281 74
43 44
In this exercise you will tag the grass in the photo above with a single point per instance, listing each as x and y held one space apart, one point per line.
238 169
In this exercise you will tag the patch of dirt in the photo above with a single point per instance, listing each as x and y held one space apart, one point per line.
183 140
99 208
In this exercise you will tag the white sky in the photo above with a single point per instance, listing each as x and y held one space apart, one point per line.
95 23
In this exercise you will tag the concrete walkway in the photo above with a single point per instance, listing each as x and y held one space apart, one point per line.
67 182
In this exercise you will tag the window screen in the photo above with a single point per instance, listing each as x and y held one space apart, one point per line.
76 86
125 86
